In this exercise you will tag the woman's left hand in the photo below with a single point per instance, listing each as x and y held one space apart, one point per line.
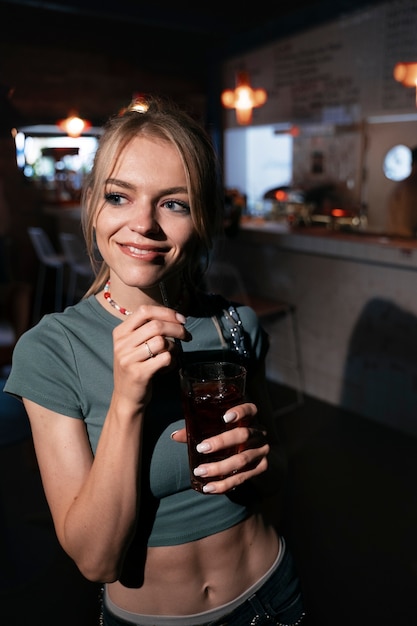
248 436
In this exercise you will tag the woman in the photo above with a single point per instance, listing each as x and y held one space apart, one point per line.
103 398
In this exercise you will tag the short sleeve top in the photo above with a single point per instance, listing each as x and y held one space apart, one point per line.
65 363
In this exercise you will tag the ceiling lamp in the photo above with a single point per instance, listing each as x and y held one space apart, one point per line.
406 74
73 125
243 98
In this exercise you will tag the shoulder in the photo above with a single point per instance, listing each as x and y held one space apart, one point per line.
55 361
56 329
247 315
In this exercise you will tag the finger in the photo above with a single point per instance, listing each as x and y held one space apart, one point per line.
156 345
150 354
153 313
241 436
142 327
153 329
243 411
235 478
244 461
179 435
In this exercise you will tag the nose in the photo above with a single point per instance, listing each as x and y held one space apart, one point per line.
143 219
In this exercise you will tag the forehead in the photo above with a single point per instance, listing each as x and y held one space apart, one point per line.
149 153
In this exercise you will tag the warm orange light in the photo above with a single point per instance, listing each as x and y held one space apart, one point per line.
338 212
406 74
243 98
138 103
281 195
73 125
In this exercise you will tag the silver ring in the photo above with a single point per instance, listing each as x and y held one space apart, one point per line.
151 354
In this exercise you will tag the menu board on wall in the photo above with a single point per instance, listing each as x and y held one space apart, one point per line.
338 73
400 44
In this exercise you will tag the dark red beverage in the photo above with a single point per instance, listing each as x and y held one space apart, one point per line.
209 390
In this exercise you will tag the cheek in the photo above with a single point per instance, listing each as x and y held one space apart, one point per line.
104 228
187 239
190 245
100 243
106 224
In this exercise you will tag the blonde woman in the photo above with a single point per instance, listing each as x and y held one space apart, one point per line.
101 387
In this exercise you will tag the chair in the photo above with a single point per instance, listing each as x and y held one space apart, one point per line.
77 260
48 257
225 278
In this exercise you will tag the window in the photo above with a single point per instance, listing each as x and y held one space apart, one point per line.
257 159
56 164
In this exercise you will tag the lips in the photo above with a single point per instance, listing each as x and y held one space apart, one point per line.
145 252
134 250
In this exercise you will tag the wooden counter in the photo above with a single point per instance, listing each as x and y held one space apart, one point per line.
356 300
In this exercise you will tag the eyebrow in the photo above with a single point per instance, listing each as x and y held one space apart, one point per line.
163 192
119 183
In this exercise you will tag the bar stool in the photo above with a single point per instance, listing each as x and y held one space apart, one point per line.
78 262
270 311
48 258
223 277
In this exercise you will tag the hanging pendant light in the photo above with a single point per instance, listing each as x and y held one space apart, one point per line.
406 74
73 125
243 98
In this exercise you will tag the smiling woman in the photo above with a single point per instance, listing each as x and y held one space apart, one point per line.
144 227
104 398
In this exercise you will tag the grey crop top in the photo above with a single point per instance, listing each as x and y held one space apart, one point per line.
65 364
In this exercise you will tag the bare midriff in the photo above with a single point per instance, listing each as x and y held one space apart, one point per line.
201 575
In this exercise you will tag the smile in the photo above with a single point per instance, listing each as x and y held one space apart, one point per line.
146 252
137 250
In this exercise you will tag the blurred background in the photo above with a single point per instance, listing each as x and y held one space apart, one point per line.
312 108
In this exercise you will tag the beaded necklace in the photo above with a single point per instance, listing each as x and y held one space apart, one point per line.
113 303
122 310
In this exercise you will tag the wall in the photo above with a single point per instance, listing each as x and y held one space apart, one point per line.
332 82
338 73
48 82
356 313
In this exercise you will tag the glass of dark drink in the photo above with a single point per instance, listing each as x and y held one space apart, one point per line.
208 391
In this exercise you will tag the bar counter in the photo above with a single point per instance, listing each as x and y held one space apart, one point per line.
356 300
355 244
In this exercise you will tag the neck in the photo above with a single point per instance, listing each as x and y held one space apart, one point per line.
172 294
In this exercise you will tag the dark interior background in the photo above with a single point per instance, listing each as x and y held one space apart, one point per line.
93 55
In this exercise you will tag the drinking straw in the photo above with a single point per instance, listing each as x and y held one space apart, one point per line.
165 300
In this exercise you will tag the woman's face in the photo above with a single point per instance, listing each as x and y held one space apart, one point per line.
144 230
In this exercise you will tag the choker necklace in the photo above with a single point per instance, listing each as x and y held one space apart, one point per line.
113 303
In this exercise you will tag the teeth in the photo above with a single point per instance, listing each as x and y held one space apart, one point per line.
136 250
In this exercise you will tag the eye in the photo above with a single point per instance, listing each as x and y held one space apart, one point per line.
115 199
177 206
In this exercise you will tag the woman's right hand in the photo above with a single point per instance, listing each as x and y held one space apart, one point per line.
143 344
80 487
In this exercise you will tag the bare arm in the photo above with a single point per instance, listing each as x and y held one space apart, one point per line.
93 501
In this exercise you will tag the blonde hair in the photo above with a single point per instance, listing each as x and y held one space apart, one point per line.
163 120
